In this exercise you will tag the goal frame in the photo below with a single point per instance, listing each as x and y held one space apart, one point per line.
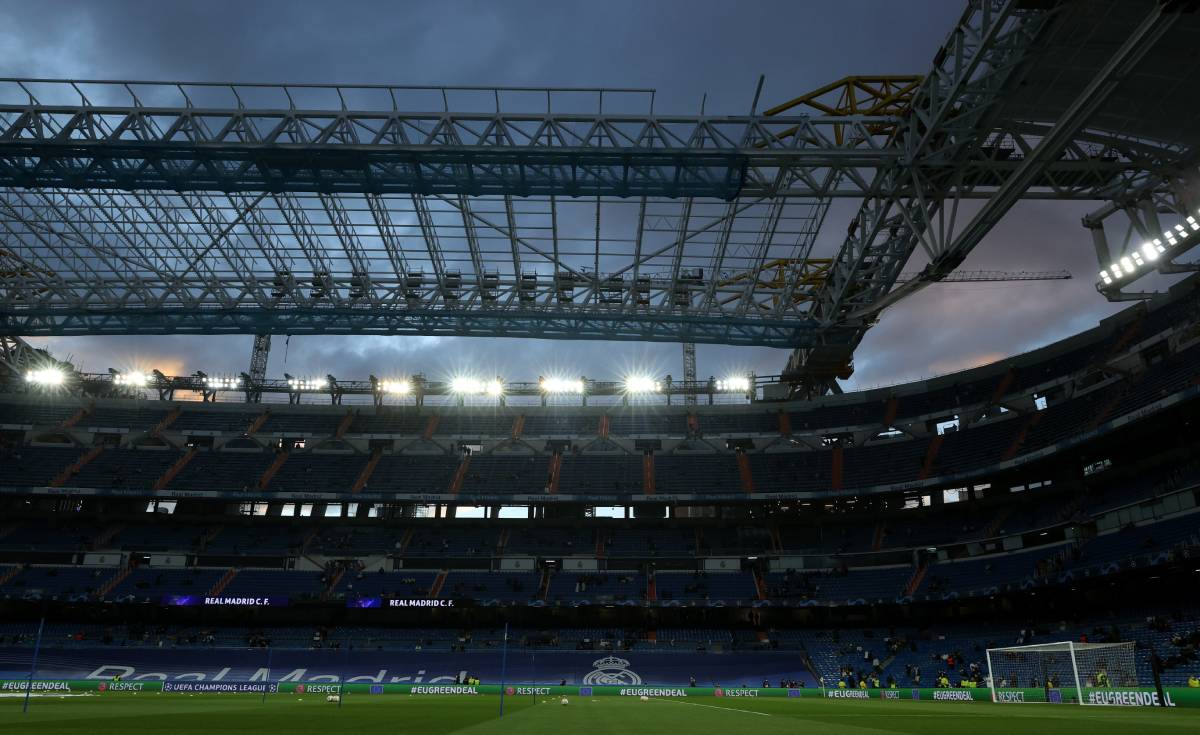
1070 649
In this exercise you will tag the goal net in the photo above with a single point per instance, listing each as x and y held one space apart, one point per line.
1059 672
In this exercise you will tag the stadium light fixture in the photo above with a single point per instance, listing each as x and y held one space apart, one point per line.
475 386
641 384
466 385
561 385
132 379
735 384
396 387
220 383
309 384
47 377
1149 252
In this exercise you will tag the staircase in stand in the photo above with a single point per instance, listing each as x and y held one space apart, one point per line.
651 588
1002 387
837 464
693 424
460 475
166 422
601 546
430 427
502 541
544 586
744 472
438 583
785 424
367 471
931 454
258 422
1125 339
334 581
101 540
914 582
890 410
161 483
76 417
309 537
265 480
73 469
208 535
6 576
760 585
518 426
776 540
406 539
604 427
346 423
113 581
648 473
554 473
222 583
1019 439
1115 400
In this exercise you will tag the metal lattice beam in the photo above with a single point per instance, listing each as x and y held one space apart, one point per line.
147 208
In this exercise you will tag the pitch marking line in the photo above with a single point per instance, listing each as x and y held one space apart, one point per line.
713 706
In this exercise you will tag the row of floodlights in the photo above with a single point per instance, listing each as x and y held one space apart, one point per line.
219 383
303 384
50 377
1128 265
495 387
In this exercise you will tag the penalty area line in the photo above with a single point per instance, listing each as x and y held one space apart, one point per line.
713 706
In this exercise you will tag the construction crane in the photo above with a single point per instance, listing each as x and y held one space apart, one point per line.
254 378
814 271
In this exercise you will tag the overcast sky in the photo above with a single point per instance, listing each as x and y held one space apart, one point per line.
683 49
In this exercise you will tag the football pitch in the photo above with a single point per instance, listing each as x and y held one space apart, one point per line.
226 714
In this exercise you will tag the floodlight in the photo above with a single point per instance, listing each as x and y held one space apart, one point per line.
561 385
46 376
226 383
1149 251
494 388
303 384
641 384
398 387
1106 278
735 384
1193 223
132 379
1127 264
466 385
1137 258
1115 268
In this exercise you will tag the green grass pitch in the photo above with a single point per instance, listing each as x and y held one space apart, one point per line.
429 715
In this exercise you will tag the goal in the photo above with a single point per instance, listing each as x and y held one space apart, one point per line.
1063 672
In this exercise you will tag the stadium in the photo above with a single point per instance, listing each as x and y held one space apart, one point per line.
601 543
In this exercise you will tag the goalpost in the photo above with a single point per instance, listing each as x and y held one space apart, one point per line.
1061 673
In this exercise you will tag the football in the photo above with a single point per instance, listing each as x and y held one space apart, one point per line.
564 701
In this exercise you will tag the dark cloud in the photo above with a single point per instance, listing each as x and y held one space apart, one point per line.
685 49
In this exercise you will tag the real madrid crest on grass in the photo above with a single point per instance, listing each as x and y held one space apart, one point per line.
611 671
